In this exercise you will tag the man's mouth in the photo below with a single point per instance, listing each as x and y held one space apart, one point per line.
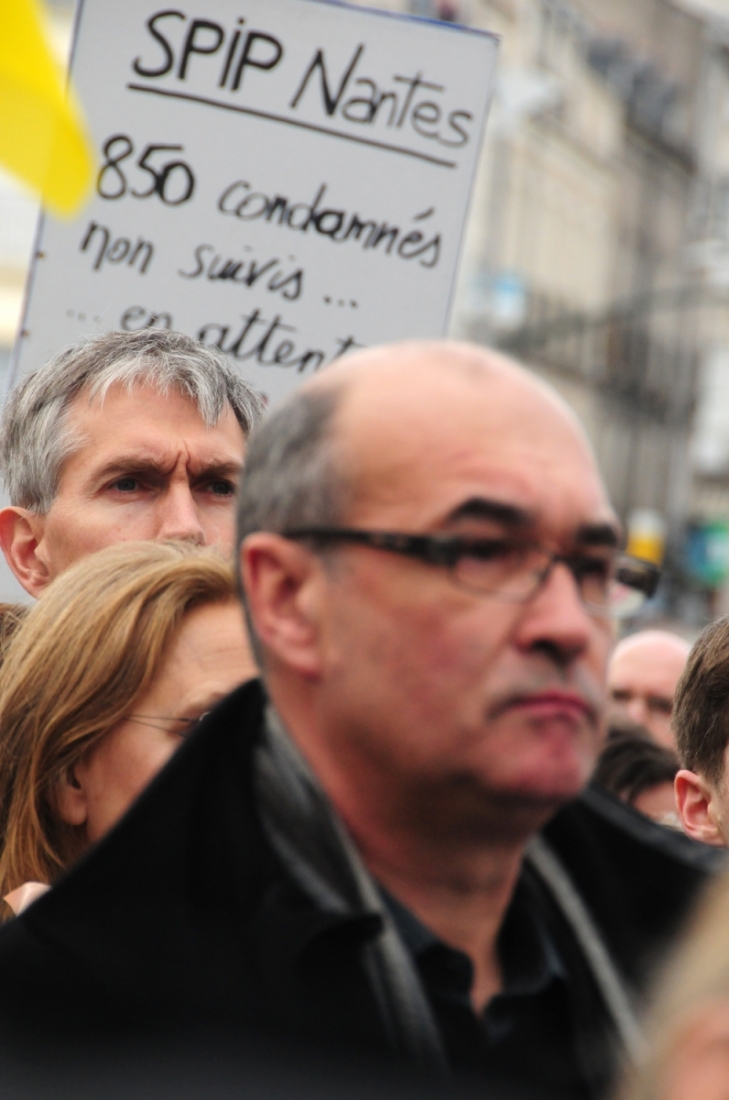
553 703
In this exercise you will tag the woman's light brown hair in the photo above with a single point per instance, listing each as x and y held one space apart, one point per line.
75 668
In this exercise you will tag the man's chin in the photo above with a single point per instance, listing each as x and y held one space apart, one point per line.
547 789
514 808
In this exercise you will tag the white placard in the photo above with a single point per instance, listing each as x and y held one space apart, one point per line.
287 179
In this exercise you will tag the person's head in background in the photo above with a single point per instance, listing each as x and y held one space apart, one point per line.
701 726
686 1056
642 677
639 771
102 681
128 436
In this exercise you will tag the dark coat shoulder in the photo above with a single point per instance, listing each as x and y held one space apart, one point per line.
639 880
182 917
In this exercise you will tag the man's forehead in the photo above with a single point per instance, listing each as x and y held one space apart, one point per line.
652 659
447 400
121 408
146 425
122 395
462 437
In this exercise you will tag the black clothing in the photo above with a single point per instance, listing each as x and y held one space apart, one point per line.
531 1013
184 919
316 851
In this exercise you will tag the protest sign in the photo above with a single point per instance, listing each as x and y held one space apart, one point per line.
285 179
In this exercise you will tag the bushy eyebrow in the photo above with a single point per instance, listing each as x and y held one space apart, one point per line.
598 534
136 462
496 510
510 515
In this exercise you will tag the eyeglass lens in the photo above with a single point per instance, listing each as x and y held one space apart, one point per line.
515 572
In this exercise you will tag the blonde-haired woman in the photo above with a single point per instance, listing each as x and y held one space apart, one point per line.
687 1048
120 658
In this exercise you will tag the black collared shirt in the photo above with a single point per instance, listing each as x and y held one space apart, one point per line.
526 1033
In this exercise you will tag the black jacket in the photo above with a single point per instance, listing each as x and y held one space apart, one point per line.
183 919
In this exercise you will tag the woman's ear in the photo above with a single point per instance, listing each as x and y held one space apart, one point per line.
71 795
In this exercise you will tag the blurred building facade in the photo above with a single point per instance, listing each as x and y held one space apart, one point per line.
598 248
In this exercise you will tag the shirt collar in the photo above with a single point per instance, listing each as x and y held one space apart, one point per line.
529 958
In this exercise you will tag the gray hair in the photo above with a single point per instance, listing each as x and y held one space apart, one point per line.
35 438
293 475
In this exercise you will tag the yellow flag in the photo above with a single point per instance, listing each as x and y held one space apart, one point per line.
42 136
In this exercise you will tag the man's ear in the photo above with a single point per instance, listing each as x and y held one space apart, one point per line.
698 808
71 799
20 534
284 583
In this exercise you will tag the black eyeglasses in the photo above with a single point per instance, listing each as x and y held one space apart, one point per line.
611 584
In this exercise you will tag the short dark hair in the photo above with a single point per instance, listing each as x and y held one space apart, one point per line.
292 477
631 763
701 708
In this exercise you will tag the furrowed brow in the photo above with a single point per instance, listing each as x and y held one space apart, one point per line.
223 467
494 510
135 462
145 463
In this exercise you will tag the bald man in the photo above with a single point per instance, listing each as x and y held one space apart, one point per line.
431 568
644 671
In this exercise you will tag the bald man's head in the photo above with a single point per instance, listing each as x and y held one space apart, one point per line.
644 671
436 610
392 377
347 431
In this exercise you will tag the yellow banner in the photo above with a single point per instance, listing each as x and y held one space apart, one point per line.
42 136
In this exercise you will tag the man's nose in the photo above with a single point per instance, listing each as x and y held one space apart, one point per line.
178 515
636 710
556 620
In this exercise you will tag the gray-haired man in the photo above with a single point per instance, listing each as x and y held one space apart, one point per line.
127 436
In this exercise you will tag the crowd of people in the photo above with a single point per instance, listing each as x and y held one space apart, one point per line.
335 747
